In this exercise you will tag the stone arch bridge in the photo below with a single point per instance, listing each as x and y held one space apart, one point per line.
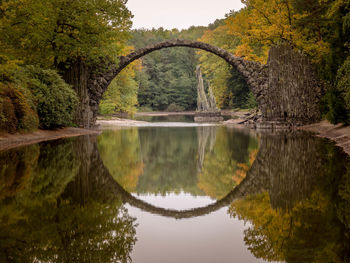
286 88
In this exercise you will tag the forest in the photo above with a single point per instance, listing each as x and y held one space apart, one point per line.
41 41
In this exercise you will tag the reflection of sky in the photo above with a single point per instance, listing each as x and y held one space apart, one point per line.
212 238
181 201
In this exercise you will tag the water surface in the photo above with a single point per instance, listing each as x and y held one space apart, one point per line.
176 194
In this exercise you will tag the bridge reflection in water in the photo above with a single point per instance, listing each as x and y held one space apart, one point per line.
287 166
290 169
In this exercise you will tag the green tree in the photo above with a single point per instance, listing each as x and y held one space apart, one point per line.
229 86
167 76
54 32
121 95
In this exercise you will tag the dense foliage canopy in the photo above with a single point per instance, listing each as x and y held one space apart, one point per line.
32 97
52 35
51 32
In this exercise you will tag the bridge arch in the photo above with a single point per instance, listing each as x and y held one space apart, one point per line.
255 73
286 89
249 69
246 187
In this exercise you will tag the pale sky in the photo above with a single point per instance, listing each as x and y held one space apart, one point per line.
179 13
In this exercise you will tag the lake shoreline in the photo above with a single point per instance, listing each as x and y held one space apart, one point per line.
9 141
338 133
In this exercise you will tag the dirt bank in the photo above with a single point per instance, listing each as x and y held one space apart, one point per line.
8 141
338 133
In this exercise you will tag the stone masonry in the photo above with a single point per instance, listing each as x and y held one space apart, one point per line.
285 88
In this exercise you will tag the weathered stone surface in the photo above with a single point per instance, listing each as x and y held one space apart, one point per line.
206 104
202 100
293 93
101 75
212 100
286 88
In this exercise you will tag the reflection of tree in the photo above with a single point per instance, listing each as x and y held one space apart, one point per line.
67 232
227 163
82 224
261 244
303 214
16 168
170 159
120 152
169 156
30 170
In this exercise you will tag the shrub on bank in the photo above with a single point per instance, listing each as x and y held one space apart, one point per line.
175 108
337 99
343 85
55 100
31 97
17 110
16 113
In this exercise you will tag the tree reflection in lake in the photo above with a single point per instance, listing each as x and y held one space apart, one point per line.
227 161
61 201
196 160
303 215
49 211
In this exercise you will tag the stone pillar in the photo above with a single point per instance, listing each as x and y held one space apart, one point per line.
77 76
202 102
294 93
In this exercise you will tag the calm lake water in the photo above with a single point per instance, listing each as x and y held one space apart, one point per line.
176 194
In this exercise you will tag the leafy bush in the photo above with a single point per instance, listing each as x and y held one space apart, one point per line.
334 106
121 95
8 68
16 113
8 120
107 108
31 96
145 109
251 101
174 108
55 100
343 84
337 98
